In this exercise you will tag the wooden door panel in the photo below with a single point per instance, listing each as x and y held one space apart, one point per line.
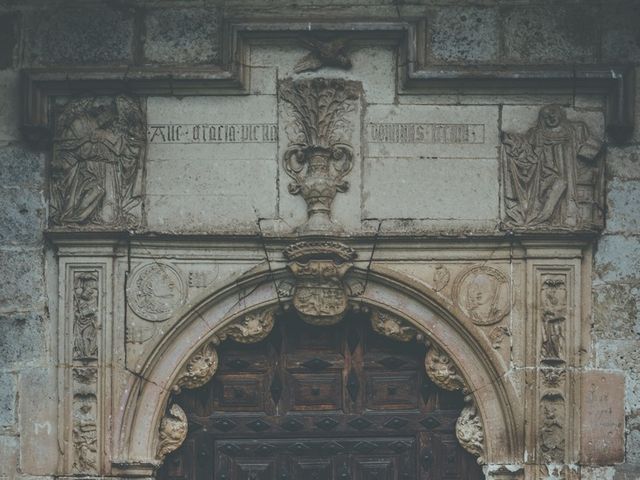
313 403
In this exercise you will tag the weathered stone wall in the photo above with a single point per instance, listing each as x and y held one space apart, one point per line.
61 33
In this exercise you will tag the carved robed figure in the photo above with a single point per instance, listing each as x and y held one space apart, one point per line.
553 174
97 163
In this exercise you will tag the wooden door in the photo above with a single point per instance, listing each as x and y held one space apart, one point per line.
321 403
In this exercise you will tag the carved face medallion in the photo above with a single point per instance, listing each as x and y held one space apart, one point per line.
155 291
483 294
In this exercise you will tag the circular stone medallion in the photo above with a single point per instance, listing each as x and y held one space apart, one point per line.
155 291
483 294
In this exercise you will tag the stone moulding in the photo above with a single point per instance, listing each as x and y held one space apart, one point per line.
616 82
145 404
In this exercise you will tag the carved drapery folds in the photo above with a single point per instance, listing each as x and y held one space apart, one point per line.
319 155
97 166
320 295
173 431
553 175
250 328
200 368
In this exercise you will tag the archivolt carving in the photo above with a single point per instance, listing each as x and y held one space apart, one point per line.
173 431
442 371
200 368
469 430
251 328
392 326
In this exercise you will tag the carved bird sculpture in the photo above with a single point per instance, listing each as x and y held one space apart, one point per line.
324 54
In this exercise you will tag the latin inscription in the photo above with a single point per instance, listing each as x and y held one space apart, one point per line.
212 133
428 133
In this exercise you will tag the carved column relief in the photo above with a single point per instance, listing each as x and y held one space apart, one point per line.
97 167
320 154
84 318
554 315
553 175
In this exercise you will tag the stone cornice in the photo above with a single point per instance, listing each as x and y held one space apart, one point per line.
414 75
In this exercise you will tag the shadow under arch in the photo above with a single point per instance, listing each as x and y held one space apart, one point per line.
144 402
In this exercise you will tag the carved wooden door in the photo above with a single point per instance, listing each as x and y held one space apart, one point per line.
321 403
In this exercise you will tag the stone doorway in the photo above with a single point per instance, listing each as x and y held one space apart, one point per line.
331 402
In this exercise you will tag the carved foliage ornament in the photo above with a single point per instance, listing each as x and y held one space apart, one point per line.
320 294
173 431
442 371
97 165
319 155
553 174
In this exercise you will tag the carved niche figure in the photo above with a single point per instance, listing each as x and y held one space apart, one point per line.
553 174
319 156
323 54
97 163
320 295
85 316
552 441
85 434
554 314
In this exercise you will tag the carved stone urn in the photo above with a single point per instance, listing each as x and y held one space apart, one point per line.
319 173
319 158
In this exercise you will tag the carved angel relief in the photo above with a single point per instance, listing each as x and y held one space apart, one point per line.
319 155
553 174
97 168
320 295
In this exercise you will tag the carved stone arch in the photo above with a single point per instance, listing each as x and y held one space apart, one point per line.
421 315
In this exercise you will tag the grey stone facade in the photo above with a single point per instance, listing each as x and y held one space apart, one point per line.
181 33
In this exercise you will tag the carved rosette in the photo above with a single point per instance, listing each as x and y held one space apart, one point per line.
173 431
392 326
250 328
319 156
200 368
469 430
442 371
320 295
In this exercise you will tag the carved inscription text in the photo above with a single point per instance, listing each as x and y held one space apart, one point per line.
429 133
212 133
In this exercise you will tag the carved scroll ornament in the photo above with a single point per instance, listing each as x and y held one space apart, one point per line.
319 156
553 174
200 368
173 431
97 163
320 295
